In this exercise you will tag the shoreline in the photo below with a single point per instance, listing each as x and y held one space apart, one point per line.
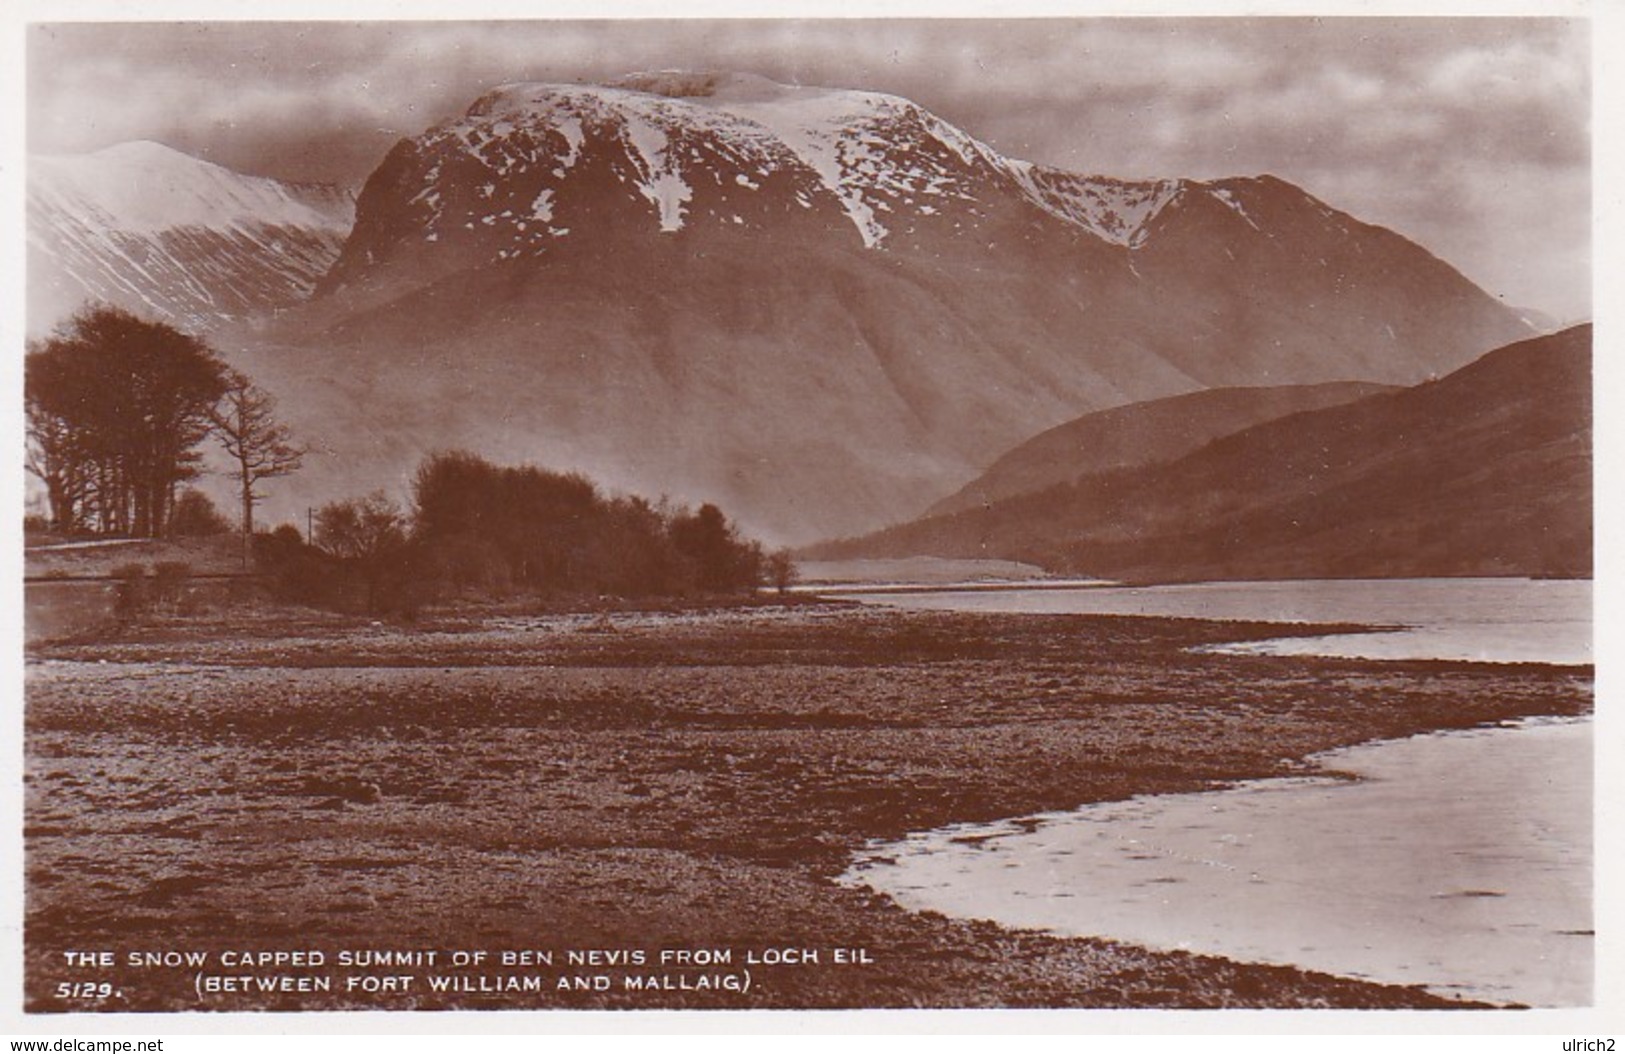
676 780
1109 856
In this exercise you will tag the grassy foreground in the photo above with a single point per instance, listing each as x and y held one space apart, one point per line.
626 785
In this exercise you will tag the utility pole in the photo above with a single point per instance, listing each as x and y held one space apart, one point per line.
310 530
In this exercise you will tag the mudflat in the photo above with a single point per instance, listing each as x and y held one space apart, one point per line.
512 789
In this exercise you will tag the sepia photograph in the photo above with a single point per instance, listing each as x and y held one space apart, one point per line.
1070 511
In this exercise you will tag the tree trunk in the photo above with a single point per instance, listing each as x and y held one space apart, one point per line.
248 519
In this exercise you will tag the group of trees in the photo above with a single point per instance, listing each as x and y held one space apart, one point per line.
117 409
526 528
479 529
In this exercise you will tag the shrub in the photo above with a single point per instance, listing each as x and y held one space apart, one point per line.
195 516
722 563
132 593
298 573
171 580
781 571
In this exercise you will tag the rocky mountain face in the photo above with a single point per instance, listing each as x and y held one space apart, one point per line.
175 238
1484 472
822 309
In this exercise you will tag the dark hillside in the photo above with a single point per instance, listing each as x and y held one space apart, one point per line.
1142 434
1484 472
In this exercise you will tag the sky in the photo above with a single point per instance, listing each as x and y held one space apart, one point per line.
1471 136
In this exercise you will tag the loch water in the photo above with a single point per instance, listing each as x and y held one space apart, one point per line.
1460 861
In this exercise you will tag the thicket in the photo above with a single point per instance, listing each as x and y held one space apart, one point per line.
480 530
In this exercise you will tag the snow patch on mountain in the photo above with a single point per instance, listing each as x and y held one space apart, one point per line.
651 152
669 194
971 151
816 126
570 129
870 151
1227 197
542 207
145 187
554 126
1119 211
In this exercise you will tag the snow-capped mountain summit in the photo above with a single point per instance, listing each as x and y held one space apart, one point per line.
877 154
174 237
530 164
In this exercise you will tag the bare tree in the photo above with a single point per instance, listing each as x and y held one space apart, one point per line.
781 570
245 424
360 528
368 533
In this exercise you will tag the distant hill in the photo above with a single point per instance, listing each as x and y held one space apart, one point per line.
1486 471
173 237
1141 434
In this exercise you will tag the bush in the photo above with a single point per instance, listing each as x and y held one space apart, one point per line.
132 593
166 590
721 562
401 582
377 573
195 516
171 580
468 564
272 549
780 571
299 573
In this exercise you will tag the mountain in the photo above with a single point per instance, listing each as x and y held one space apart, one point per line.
1138 435
173 237
823 309
1484 472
